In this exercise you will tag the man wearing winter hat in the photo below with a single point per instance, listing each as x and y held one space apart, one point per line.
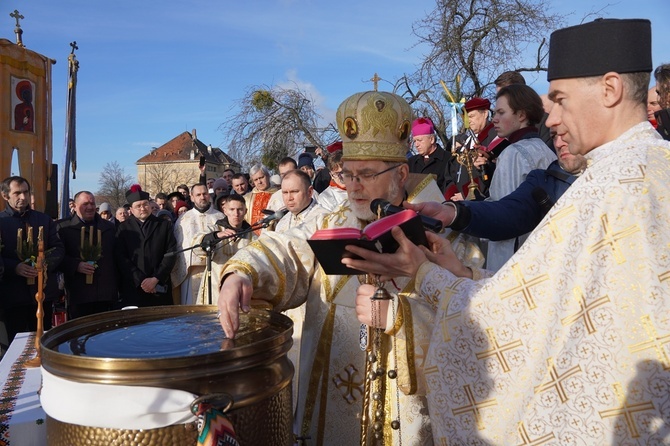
431 158
569 340
282 270
141 244
306 164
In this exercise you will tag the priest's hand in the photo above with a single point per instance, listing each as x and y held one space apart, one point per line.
235 293
403 263
365 307
442 255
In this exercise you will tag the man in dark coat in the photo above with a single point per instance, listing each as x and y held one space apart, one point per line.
91 284
519 212
141 244
431 158
19 282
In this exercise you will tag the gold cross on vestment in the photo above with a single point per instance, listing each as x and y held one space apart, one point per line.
348 384
655 341
584 309
525 437
523 286
474 407
497 350
375 79
612 240
627 410
556 380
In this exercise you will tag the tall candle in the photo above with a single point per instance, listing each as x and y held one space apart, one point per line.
30 235
99 237
83 231
90 236
19 242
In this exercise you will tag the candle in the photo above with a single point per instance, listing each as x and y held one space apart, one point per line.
30 235
83 231
99 237
19 242
90 236
40 234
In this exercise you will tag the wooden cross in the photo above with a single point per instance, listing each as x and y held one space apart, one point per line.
375 79
17 16
74 46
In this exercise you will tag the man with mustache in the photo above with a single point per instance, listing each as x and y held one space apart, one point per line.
281 269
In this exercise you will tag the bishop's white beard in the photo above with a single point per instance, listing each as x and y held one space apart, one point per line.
364 212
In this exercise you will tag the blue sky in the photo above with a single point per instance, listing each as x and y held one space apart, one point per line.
150 70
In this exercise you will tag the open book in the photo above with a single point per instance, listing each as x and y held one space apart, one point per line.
328 244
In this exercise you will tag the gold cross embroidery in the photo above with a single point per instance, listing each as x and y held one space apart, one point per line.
446 337
627 410
526 438
497 350
556 380
348 385
665 276
554 227
612 239
524 286
474 407
635 179
584 309
656 342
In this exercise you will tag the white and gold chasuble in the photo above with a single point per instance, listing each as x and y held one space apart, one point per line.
187 273
331 374
569 343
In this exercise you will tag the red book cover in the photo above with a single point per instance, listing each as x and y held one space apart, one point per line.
328 244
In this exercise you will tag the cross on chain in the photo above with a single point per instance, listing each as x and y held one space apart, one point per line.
524 286
474 407
497 350
627 410
348 384
17 16
556 380
584 309
612 239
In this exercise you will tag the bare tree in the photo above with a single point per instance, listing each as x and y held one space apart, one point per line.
271 123
470 43
114 182
165 177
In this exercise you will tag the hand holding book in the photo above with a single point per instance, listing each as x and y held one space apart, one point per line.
329 244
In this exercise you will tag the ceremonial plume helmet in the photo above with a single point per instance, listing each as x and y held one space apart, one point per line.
374 125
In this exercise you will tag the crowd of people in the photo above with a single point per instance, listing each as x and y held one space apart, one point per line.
559 332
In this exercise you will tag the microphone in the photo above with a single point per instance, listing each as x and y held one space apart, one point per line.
270 218
542 199
387 208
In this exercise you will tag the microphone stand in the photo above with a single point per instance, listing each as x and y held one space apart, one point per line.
210 246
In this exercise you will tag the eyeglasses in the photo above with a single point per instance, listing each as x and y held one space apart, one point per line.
363 178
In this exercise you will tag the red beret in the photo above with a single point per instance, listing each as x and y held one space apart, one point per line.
337 145
477 104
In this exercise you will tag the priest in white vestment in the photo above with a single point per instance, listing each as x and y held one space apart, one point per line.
189 269
334 403
569 343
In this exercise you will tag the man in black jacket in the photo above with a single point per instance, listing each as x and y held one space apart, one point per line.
19 282
141 244
431 158
91 283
